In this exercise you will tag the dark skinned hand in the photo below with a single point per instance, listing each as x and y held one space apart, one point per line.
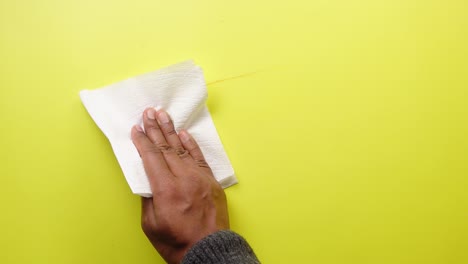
188 203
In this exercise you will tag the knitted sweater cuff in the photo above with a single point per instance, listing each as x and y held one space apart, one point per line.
222 247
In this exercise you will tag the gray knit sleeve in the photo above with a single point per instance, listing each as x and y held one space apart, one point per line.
222 247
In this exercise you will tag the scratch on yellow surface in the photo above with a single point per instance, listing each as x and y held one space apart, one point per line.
231 78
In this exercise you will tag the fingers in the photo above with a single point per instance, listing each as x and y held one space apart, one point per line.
167 127
191 145
158 136
153 160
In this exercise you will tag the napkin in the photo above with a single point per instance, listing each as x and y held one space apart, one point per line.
180 90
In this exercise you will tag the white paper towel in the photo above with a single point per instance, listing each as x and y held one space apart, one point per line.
180 90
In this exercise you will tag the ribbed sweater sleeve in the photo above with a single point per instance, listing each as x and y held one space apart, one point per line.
222 247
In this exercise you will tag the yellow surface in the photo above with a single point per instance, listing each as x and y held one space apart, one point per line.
349 134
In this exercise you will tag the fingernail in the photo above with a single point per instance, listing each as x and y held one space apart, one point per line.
138 128
151 113
184 136
163 117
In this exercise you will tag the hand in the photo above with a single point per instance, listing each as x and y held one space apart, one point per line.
188 203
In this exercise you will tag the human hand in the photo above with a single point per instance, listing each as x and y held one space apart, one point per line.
188 203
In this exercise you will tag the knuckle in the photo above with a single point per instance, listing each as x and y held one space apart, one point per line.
152 126
184 155
150 149
192 148
163 147
202 163
169 128
170 131
180 151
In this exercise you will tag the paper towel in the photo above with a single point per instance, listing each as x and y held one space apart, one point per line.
180 90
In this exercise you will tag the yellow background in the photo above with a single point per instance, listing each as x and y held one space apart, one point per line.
349 133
